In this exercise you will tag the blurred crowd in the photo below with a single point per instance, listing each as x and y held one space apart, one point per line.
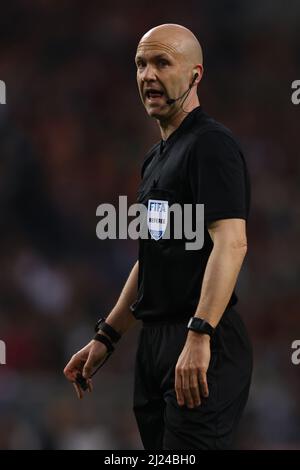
73 135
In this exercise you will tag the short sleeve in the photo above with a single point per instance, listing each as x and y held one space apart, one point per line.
218 177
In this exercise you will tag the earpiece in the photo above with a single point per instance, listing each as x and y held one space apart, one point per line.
194 77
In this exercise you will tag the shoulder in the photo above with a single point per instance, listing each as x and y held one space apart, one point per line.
215 144
214 134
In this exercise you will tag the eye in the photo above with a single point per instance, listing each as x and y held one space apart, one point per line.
140 64
163 62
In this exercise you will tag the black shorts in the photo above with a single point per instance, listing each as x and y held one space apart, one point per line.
162 423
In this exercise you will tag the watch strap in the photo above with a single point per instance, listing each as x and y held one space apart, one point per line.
103 339
200 326
101 325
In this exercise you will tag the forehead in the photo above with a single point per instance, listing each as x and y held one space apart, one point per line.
152 48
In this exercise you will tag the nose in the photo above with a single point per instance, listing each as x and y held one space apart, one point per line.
148 74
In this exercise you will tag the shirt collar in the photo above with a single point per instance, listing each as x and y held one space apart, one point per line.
184 125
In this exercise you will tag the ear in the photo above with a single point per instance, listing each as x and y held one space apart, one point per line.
197 74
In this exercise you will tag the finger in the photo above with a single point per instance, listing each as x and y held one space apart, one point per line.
203 384
78 390
88 367
90 385
186 389
72 368
71 374
178 388
194 387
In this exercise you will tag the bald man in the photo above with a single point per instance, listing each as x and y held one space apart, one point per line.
194 360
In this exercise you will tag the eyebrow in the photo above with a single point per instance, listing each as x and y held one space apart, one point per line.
161 55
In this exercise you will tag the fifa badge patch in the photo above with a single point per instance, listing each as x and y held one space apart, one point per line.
157 217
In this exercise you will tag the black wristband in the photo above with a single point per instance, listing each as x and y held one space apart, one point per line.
200 326
103 339
101 325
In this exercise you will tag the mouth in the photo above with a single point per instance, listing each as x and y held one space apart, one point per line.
153 95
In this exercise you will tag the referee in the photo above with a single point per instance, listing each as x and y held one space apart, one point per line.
194 359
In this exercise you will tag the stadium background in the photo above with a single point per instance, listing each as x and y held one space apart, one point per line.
72 135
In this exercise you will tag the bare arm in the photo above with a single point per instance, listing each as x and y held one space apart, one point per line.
222 269
121 317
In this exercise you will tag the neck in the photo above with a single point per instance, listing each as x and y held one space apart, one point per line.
169 125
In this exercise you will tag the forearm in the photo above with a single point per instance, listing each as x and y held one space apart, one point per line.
220 277
121 317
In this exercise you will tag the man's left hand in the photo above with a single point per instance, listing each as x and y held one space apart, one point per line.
191 369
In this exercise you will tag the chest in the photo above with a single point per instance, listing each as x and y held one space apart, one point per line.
166 176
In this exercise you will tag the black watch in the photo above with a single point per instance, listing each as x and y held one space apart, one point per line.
107 329
200 326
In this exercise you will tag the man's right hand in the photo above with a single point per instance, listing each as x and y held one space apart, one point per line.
84 363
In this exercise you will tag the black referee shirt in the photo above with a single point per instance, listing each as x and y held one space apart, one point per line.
200 162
